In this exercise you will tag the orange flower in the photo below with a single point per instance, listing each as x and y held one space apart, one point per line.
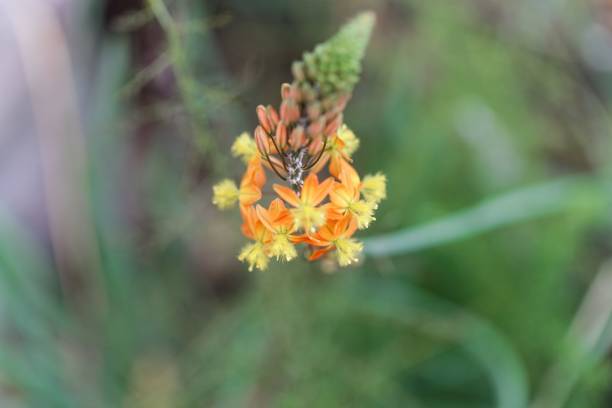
279 222
226 193
254 173
338 151
255 253
336 236
346 202
249 193
334 154
307 213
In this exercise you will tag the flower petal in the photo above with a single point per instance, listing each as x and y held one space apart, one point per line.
310 188
322 191
287 194
249 194
319 253
264 217
340 196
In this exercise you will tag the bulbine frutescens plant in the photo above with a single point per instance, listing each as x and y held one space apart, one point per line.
306 145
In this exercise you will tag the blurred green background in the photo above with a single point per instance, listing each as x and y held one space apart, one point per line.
486 280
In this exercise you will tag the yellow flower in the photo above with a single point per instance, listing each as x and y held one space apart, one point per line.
255 255
374 188
351 142
244 147
225 194
347 250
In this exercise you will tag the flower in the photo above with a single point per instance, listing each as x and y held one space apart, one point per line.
307 213
279 222
255 254
336 236
254 174
306 137
345 201
226 193
335 153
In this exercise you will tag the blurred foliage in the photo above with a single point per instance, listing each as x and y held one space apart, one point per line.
458 102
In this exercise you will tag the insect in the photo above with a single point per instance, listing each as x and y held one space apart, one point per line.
291 158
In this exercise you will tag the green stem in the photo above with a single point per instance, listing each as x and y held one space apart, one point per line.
509 208
186 82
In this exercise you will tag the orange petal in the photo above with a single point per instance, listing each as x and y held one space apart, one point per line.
248 228
299 239
287 194
246 231
340 196
315 146
334 213
310 187
249 194
263 118
323 189
276 206
333 125
335 165
316 241
320 164
350 176
273 116
319 253
261 140
297 138
281 136
345 227
254 174
263 216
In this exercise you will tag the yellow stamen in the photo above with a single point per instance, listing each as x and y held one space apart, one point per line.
347 250
225 194
363 212
374 188
255 255
351 142
308 217
281 248
244 147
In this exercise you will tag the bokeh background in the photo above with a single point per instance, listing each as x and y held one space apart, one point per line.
486 280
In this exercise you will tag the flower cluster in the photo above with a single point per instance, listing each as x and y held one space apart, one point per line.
322 201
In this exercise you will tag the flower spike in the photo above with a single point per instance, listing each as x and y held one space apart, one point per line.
322 200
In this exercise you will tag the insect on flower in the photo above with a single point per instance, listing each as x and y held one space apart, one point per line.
319 201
